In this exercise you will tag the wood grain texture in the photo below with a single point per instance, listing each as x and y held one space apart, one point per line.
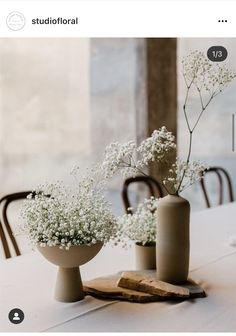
148 284
107 288
142 287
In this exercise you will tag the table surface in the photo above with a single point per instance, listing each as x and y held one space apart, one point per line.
27 282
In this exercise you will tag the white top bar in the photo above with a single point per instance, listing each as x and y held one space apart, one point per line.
113 18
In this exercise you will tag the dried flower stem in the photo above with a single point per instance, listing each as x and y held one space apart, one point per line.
199 72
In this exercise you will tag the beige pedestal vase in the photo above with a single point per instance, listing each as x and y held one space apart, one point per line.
69 286
173 214
145 256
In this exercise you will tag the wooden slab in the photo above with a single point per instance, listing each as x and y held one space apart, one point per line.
107 287
145 281
148 284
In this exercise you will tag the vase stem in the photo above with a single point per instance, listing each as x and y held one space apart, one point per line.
69 286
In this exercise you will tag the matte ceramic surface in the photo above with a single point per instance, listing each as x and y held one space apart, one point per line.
145 257
173 214
69 286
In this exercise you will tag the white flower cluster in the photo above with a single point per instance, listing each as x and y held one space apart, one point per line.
193 172
199 70
54 215
155 147
118 156
140 226
123 156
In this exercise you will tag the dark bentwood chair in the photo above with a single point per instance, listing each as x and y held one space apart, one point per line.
152 184
222 175
5 228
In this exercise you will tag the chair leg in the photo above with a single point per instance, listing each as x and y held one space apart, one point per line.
8 228
4 243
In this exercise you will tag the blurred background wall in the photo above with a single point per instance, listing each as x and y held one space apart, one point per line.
44 110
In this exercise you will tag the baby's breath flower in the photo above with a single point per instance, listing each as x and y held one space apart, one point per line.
155 147
123 157
54 215
204 74
140 226
194 171
208 79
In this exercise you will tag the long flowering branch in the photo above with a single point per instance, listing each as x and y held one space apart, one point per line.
206 77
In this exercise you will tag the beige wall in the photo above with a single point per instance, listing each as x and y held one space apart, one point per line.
44 109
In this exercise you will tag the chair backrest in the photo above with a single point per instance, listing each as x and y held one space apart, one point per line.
6 234
222 175
152 184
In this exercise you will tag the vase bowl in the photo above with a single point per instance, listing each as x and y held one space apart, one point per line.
69 286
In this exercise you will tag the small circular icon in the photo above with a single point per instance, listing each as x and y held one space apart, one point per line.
15 21
16 316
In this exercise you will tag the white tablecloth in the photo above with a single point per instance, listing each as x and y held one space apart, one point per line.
27 283
217 312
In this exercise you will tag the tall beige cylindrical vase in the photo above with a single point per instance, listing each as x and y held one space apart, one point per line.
145 256
173 213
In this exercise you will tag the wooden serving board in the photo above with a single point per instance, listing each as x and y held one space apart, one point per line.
141 286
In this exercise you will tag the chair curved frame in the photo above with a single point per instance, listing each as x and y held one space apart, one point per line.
220 172
153 185
6 200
